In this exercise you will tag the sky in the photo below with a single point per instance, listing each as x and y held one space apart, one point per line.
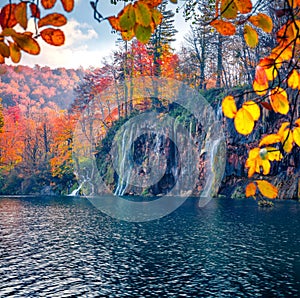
87 41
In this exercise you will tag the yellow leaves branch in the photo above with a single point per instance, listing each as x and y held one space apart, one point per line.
139 19
245 117
265 188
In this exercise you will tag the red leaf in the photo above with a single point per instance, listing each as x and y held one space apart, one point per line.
68 5
35 12
7 16
267 106
47 4
55 37
54 19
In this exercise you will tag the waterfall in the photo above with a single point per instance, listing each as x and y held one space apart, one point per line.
124 166
215 159
75 192
85 182
219 112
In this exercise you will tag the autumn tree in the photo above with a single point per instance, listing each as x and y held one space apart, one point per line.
276 76
163 35
61 160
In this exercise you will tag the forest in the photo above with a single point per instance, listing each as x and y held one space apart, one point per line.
242 57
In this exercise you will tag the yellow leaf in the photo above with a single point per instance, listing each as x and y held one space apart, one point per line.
294 3
273 154
293 80
287 140
250 190
260 89
4 49
267 189
279 100
223 27
266 166
53 19
229 107
251 161
142 14
297 122
254 153
243 122
142 33
287 33
21 14
26 43
283 52
251 36
262 21
268 64
127 17
156 16
282 128
253 109
127 35
15 53
244 6
271 73
269 139
228 9
252 168
296 135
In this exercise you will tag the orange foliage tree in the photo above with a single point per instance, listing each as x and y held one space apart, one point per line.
277 80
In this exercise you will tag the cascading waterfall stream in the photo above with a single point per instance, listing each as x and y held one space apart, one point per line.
75 192
125 166
180 164
209 188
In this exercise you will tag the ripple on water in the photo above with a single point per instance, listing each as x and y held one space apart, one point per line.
66 248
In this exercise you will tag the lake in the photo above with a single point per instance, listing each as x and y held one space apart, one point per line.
64 247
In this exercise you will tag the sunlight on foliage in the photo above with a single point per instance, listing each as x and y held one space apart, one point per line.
139 20
251 36
279 100
250 190
223 27
262 21
229 107
244 117
266 189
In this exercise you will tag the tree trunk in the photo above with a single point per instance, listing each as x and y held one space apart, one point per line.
219 61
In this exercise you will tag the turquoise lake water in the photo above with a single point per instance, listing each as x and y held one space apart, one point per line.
64 247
